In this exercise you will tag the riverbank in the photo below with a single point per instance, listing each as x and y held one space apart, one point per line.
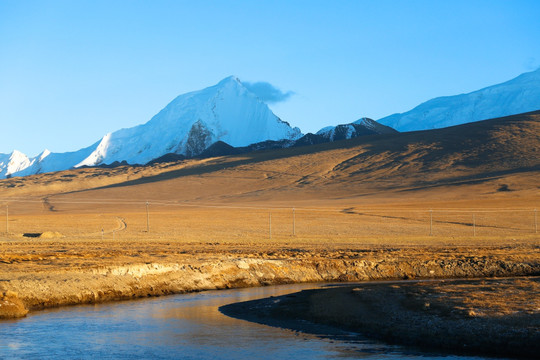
493 317
43 274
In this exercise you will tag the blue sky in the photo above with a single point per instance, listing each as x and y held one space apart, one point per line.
72 71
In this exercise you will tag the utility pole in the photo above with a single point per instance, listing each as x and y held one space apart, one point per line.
474 224
270 225
430 222
535 221
147 219
293 223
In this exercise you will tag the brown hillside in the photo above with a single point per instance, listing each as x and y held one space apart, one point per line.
503 153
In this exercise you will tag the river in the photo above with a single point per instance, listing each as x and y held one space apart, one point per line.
186 326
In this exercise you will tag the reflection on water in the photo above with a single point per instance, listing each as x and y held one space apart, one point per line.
175 327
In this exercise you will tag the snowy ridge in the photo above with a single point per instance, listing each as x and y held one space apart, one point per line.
97 156
192 122
188 125
361 127
230 113
519 95
369 123
14 162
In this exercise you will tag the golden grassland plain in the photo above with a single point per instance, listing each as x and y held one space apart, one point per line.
432 204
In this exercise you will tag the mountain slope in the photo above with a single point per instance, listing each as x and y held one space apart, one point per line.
495 159
361 127
519 95
188 125
225 112
13 163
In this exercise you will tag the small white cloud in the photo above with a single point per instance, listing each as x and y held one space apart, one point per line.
268 92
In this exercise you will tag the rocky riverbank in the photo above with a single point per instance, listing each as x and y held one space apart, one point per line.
493 317
44 278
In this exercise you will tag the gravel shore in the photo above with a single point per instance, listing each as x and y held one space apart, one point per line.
491 317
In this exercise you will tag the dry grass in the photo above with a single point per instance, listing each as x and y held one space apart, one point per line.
496 317
481 187
484 298
367 198
349 225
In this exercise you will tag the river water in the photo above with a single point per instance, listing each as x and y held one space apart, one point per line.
177 327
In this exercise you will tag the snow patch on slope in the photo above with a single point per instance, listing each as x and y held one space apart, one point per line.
519 95
13 163
361 127
225 112
188 125
97 156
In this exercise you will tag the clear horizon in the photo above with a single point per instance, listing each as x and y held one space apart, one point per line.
73 71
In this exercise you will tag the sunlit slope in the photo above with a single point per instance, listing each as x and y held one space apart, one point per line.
495 159
227 111
516 96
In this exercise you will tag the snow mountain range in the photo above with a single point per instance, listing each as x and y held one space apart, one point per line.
188 125
516 96
364 126
227 118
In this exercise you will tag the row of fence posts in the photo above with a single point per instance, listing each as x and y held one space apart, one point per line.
103 234
269 222
293 222
474 222
430 223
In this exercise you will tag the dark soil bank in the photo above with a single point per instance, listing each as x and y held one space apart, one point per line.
493 317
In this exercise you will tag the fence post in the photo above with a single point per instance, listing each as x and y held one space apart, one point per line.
535 221
270 225
147 219
102 233
7 219
474 224
430 222
293 223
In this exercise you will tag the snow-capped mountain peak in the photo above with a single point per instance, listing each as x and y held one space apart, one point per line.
516 96
12 163
189 124
361 127
43 154
229 79
97 156
192 122
367 122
